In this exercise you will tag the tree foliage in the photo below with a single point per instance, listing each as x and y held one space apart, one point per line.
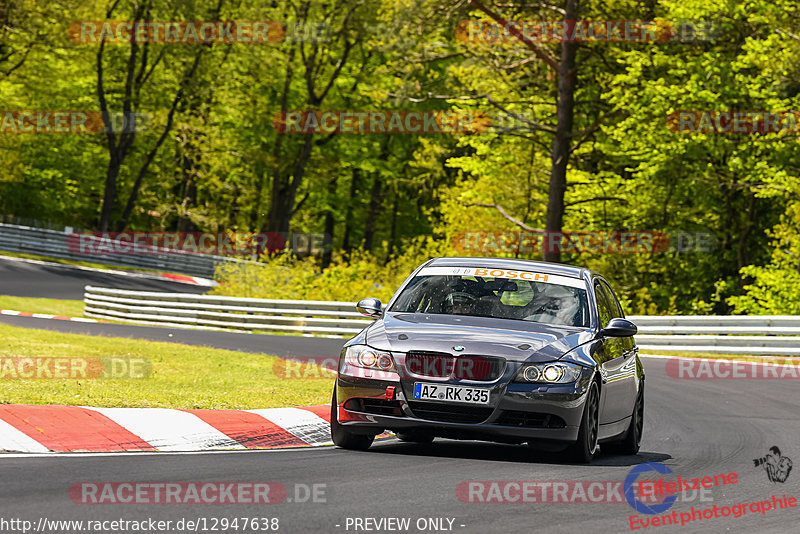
209 154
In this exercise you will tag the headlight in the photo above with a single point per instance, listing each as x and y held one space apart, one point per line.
550 373
368 358
531 373
385 362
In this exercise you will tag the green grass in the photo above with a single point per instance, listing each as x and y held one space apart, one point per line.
70 308
182 376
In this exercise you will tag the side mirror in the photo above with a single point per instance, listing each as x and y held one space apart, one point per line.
370 307
618 327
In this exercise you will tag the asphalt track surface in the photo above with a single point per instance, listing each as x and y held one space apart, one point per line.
22 279
696 428
283 346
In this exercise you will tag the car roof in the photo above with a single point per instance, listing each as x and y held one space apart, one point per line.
511 263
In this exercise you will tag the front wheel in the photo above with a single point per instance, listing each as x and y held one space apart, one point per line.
586 447
342 437
633 436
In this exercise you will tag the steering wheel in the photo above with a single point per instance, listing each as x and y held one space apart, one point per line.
459 298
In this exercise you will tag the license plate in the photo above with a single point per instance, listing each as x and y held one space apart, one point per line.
442 392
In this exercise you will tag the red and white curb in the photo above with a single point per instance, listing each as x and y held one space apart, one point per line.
48 316
41 429
196 280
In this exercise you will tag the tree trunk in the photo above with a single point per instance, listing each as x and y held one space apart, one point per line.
284 191
137 184
188 189
118 148
561 143
255 215
348 221
286 183
330 222
375 203
393 230
110 192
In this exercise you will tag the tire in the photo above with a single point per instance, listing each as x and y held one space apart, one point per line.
633 436
342 437
585 449
413 436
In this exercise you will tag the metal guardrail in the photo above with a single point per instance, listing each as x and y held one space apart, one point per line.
727 334
211 312
54 243
736 334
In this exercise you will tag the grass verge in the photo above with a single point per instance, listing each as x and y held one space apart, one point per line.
182 376
718 356
70 308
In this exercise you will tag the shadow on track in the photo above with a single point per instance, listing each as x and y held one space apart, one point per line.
498 452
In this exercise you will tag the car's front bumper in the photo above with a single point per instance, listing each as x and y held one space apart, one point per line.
518 412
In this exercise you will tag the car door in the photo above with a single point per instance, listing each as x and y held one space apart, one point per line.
621 367
607 356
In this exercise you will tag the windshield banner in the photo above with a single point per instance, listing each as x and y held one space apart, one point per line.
485 272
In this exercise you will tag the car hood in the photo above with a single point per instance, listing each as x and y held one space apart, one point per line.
509 339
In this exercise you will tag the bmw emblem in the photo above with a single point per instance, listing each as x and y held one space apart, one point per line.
458 348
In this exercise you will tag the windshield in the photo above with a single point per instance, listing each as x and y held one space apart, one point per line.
517 295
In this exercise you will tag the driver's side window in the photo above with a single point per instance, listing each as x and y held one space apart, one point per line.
603 307
616 309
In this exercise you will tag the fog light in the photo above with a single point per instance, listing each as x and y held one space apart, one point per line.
531 374
551 373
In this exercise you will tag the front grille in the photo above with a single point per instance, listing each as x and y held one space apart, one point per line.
374 406
466 367
474 368
450 413
434 364
530 420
